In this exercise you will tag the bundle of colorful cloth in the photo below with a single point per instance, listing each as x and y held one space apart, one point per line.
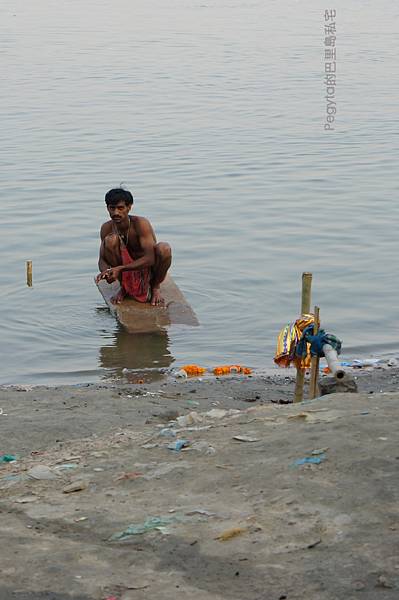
296 343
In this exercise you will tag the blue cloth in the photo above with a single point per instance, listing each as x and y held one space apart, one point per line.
316 342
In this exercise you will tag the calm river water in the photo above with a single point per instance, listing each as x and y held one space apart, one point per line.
212 113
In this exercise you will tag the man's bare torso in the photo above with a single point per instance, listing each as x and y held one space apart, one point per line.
131 238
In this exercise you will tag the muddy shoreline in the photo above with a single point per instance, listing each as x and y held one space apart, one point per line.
234 514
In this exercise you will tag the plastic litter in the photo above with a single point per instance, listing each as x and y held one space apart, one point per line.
245 438
66 466
178 445
167 432
42 472
310 460
216 413
367 362
191 418
319 451
193 402
150 524
6 458
180 374
200 511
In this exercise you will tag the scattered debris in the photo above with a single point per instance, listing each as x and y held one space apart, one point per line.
203 446
130 475
167 432
6 458
26 499
191 418
75 486
179 445
319 451
230 534
314 544
140 528
42 472
66 466
310 460
200 511
358 585
245 438
384 582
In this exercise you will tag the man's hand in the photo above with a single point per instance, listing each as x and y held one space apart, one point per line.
111 274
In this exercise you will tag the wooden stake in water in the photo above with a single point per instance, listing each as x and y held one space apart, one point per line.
29 273
305 308
314 368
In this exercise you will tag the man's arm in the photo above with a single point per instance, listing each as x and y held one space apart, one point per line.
102 264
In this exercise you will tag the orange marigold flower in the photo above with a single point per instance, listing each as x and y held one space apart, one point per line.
193 370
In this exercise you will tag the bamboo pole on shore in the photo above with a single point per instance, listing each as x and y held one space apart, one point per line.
314 368
305 308
29 273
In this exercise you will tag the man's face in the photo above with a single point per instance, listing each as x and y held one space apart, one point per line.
119 212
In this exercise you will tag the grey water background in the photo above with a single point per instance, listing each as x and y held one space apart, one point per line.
212 113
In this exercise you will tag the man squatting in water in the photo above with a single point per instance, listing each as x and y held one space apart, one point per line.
130 253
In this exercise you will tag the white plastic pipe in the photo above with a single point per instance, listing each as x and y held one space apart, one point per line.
332 361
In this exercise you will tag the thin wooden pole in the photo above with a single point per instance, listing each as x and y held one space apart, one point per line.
314 367
305 308
29 273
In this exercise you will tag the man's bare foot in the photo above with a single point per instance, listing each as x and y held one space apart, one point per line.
156 298
117 299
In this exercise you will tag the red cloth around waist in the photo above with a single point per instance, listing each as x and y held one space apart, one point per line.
136 283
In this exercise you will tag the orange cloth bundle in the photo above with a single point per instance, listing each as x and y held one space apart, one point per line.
287 341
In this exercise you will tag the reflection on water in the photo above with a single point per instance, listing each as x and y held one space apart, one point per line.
136 357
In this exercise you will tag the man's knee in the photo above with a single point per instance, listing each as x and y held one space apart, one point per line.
111 242
163 251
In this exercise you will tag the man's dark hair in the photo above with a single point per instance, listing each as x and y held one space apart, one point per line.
117 195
